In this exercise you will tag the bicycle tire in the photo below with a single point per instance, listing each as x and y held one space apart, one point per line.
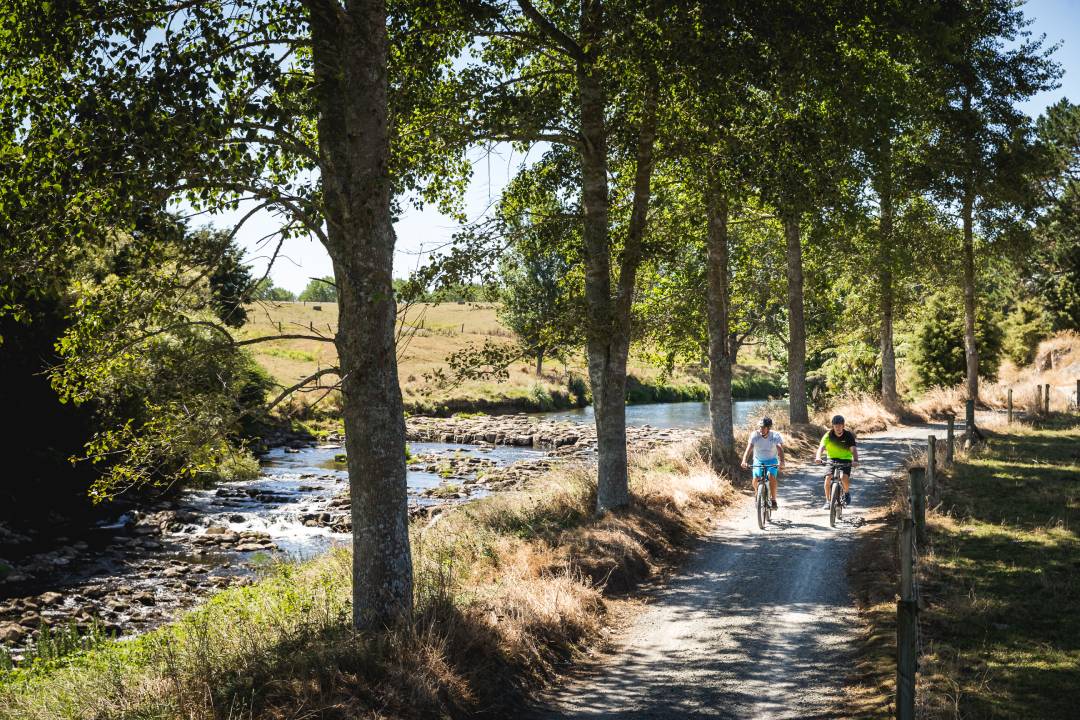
834 505
762 507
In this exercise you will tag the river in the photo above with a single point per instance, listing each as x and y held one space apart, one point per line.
137 571
665 415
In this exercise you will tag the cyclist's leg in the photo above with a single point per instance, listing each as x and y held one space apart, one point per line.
774 473
754 477
846 479
828 476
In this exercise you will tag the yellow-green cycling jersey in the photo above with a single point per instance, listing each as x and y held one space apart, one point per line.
839 447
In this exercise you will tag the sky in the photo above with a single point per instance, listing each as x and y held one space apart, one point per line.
421 231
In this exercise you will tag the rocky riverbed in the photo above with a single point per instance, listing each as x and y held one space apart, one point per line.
139 571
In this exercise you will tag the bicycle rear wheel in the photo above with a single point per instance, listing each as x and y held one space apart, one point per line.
762 504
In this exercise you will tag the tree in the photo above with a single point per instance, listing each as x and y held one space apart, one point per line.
939 355
801 148
555 78
981 133
1054 266
301 108
265 290
539 300
319 290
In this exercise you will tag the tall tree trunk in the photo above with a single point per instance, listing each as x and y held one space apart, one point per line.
889 396
797 410
607 364
539 363
350 56
608 331
717 307
971 351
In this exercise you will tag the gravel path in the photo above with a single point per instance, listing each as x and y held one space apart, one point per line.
757 625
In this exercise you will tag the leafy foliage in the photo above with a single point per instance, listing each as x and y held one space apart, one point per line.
938 350
319 290
1024 328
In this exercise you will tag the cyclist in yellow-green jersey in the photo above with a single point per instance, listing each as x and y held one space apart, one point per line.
839 445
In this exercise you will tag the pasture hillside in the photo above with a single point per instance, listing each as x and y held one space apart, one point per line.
430 333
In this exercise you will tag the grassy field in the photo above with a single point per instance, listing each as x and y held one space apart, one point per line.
506 588
998 582
430 333
1001 631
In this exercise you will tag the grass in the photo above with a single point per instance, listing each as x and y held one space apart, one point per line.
999 587
506 589
431 332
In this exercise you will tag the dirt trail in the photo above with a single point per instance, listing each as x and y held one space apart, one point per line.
757 625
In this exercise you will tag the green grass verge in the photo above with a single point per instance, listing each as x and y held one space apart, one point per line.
1001 634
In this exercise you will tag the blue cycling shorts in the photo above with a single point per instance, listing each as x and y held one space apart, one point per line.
771 466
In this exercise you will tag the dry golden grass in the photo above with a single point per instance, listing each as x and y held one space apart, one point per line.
506 588
864 413
1057 363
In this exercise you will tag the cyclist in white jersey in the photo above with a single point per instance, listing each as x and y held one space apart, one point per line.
768 448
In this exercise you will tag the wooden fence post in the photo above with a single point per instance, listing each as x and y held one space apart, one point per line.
1010 406
917 478
931 466
907 627
949 441
1046 403
1078 394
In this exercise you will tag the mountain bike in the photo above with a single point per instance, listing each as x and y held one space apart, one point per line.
836 489
763 501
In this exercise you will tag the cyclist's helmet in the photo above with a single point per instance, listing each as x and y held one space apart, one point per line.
838 420
765 422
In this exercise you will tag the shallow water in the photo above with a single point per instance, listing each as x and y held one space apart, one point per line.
665 415
294 484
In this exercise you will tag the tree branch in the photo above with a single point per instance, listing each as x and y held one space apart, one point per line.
549 28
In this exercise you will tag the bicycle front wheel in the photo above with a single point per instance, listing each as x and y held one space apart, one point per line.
834 506
762 505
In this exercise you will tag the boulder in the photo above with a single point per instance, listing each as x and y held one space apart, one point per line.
11 633
50 598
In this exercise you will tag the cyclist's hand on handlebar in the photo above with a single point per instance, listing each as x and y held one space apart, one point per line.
744 465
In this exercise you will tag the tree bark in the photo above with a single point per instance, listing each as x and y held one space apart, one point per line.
889 395
718 307
971 351
539 363
608 331
797 409
350 56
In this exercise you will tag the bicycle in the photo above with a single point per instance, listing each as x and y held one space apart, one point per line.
764 501
836 489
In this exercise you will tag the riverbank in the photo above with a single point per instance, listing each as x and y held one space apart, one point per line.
507 587
147 565
996 579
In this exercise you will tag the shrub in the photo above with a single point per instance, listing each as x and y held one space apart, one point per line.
852 368
938 353
541 397
1024 329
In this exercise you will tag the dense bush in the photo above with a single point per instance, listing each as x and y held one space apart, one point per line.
1024 329
937 355
852 368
